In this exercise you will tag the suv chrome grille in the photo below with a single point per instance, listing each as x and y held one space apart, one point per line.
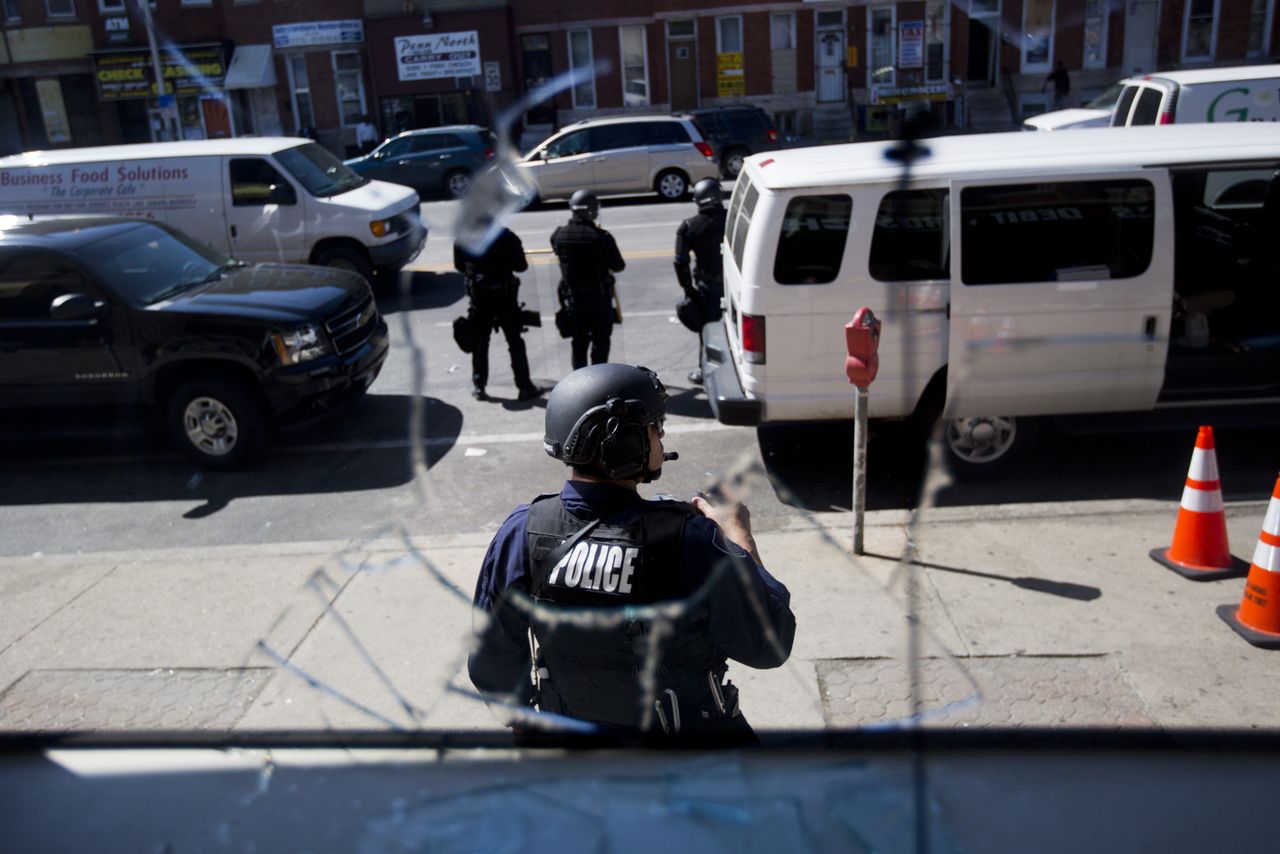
353 326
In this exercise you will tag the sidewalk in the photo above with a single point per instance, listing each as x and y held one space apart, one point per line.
1033 615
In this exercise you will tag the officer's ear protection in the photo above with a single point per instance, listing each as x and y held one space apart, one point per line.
624 446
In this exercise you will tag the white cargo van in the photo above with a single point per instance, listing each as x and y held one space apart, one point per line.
1018 274
1244 93
256 199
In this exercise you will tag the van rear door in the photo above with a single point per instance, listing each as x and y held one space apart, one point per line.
1061 294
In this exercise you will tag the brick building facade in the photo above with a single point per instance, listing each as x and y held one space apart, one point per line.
79 72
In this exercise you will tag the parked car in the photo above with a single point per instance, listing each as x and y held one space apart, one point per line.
1242 93
110 311
1096 273
616 156
256 198
430 160
1094 113
735 132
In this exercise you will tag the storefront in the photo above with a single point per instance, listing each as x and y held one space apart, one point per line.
457 72
325 67
195 77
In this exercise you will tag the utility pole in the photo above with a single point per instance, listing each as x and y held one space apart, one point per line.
168 105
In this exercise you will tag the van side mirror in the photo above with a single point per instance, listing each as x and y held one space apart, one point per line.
74 307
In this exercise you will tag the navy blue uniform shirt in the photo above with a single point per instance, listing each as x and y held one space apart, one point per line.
501 663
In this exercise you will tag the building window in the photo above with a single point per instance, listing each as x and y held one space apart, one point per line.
584 93
782 31
881 29
111 5
58 8
1199 30
729 35
635 67
936 20
1037 35
348 81
1095 33
11 12
1260 27
197 2
301 89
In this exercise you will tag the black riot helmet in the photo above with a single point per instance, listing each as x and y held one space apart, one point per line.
584 204
598 420
707 194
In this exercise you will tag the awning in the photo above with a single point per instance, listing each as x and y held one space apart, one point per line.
251 67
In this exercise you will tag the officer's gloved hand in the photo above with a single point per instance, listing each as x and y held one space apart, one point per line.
733 518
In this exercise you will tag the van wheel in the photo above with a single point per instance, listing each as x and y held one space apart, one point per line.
345 258
457 182
731 163
986 447
217 422
672 185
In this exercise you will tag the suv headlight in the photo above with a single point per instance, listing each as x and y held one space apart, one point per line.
300 345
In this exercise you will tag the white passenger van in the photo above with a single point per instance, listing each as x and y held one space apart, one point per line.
1241 93
255 199
1016 275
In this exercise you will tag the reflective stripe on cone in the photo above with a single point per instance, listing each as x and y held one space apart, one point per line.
1257 620
1200 550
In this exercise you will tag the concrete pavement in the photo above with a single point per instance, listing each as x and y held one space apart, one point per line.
1033 615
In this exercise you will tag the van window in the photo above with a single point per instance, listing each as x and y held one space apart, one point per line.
912 238
1056 231
1148 109
811 245
1121 115
743 222
665 133
318 171
255 182
567 145
609 137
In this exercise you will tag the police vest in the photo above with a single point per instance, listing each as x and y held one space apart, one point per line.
595 673
579 246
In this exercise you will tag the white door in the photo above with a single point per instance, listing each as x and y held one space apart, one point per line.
265 219
831 65
1061 294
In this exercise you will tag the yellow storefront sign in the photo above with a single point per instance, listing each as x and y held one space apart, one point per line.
731 80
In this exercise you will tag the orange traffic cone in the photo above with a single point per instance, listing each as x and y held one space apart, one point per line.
1257 620
1199 549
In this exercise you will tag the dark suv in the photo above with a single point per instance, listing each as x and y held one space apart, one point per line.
109 311
430 160
734 133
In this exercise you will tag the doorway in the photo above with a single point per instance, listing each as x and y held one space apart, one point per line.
536 50
682 62
217 118
984 28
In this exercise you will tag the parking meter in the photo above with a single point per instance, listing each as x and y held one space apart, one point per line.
862 344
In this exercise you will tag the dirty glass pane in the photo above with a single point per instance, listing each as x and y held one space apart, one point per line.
811 243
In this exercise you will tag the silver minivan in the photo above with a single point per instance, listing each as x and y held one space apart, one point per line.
616 156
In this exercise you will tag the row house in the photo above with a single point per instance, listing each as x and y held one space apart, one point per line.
82 72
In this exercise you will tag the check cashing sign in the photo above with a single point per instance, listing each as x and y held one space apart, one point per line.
438 55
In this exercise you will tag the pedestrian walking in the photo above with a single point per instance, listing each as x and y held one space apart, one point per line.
702 234
1061 80
366 135
599 548
588 257
492 290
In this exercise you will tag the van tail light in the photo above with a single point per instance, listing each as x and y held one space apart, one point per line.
1166 117
488 153
705 149
753 339
772 133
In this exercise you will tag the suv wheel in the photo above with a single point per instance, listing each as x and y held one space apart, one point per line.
731 163
217 422
345 258
457 182
672 185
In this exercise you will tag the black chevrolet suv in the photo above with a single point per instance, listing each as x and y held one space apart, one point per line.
107 311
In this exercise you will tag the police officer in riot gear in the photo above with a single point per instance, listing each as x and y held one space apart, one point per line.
702 234
599 548
492 287
588 257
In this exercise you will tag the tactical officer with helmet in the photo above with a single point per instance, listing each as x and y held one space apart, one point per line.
701 234
492 287
634 605
588 257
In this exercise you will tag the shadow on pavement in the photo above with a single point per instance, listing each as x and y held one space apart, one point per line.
426 290
1065 589
810 467
690 402
361 447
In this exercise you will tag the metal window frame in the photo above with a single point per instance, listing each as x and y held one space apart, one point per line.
791 16
946 43
1106 35
1047 65
644 58
892 8
1268 21
742 36
1213 32
359 72
294 88
591 58
52 14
